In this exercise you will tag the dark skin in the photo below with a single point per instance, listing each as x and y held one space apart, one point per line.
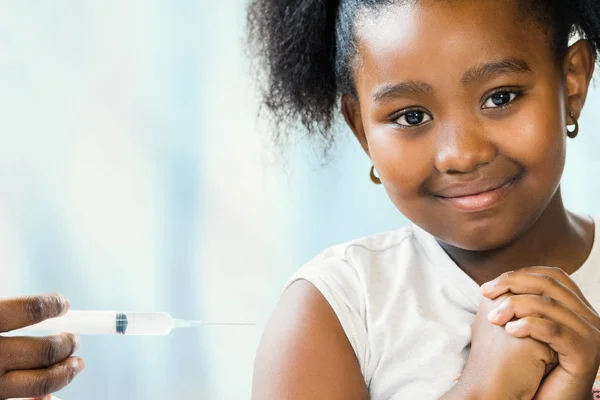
464 142
35 366
546 305
486 104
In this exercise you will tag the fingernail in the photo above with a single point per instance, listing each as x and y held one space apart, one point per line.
494 315
514 326
78 364
77 343
66 305
486 287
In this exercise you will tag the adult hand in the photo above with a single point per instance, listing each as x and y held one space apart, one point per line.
35 366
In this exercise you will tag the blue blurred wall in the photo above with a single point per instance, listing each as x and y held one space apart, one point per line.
134 175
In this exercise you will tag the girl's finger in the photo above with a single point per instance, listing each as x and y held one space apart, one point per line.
573 350
521 306
20 312
39 382
523 282
561 276
35 352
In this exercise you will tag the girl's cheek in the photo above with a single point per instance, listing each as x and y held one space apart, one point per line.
533 140
535 135
403 160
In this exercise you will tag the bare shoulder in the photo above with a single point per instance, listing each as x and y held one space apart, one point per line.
304 352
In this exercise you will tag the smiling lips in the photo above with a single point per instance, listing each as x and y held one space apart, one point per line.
477 195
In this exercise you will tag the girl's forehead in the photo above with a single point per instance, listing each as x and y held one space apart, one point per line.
445 37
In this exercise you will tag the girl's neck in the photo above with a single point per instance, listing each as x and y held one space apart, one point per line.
557 239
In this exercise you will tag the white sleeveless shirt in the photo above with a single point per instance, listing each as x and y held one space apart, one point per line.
407 308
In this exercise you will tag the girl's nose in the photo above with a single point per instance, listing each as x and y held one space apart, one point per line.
463 148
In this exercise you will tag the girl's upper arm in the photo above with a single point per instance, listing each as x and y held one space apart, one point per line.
304 353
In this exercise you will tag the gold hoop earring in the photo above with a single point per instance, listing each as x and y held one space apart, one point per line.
573 134
374 178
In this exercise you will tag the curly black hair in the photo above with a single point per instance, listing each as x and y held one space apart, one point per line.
305 50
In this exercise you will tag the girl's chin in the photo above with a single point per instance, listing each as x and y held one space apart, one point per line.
479 241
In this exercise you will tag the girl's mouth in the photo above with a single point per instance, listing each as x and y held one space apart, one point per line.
476 201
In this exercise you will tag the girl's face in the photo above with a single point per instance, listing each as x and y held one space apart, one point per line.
462 110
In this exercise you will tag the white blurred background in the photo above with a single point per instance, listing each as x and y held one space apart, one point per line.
134 176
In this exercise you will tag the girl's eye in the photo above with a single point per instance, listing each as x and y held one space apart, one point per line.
413 118
500 99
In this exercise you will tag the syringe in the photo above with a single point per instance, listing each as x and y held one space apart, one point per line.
118 323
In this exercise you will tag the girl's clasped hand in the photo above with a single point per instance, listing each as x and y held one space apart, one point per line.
547 306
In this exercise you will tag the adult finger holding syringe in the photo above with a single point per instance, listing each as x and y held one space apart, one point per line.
108 323
35 366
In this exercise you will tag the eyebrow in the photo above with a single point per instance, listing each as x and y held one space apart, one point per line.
488 70
477 73
391 91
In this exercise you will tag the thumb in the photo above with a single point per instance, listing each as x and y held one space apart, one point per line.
46 397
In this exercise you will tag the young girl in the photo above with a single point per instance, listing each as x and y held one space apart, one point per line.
464 108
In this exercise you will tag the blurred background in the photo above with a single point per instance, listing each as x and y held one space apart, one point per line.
135 175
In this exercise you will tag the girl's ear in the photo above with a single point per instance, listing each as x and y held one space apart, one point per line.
351 111
579 69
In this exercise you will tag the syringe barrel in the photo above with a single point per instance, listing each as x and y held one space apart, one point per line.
80 323
108 323
154 323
